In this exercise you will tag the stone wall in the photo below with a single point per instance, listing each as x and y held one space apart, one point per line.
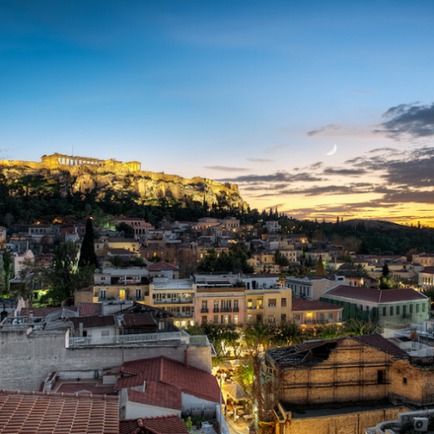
349 374
26 359
349 423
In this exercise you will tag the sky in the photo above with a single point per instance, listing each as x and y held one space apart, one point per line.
321 108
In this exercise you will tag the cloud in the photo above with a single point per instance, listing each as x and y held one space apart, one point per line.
227 169
259 160
408 120
320 130
347 172
278 148
281 176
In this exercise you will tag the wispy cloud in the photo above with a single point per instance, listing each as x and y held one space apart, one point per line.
278 148
259 160
227 169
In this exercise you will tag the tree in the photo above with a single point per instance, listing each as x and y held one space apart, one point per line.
320 267
126 229
87 254
64 276
6 271
386 271
117 261
31 278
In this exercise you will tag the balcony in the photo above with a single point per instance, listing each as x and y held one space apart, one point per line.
183 314
204 310
226 309
236 309
173 301
216 310
256 308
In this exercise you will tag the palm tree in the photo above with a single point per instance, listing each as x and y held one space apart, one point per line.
256 336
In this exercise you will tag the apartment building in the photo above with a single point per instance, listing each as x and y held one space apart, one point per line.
268 305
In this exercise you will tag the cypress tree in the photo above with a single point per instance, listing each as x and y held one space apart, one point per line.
87 253
320 267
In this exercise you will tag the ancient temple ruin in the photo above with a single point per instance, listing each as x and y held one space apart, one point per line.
56 160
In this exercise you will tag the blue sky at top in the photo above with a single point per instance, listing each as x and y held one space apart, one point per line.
198 87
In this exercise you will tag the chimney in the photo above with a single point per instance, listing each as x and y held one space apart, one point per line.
186 357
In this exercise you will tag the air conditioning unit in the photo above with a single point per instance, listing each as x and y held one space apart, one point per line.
420 424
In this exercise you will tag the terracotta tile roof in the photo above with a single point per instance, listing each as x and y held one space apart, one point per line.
89 309
160 266
138 319
158 395
55 413
377 341
428 270
170 424
188 379
81 387
44 311
93 321
306 305
375 295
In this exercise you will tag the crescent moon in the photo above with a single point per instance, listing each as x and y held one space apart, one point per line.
335 148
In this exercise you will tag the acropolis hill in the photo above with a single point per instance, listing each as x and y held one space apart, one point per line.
72 173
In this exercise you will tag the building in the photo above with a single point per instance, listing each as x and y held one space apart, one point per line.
161 386
311 287
176 296
261 281
140 226
163 269
153 425
220 305
305 312
385 306
425 259
270 306
426 277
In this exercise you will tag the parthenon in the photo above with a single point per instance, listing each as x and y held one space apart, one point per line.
55 160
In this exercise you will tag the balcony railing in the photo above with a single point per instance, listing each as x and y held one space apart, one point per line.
236 309
183 314
185 339
204 310
257 308
226 309
173 301
216 310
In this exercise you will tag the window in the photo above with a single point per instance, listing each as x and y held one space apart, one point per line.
423 307
235 319
404 310
271 319
417 308
380 377
105 334
404 381
272 302
103 294
235 304
222 319
138 294
227 319
249 318
391 310
283 301
283 317
204 304
249 303
384 311
397 310
330 316
216 319
204 320
411 308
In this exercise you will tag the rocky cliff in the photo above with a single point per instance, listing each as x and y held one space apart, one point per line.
145 186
